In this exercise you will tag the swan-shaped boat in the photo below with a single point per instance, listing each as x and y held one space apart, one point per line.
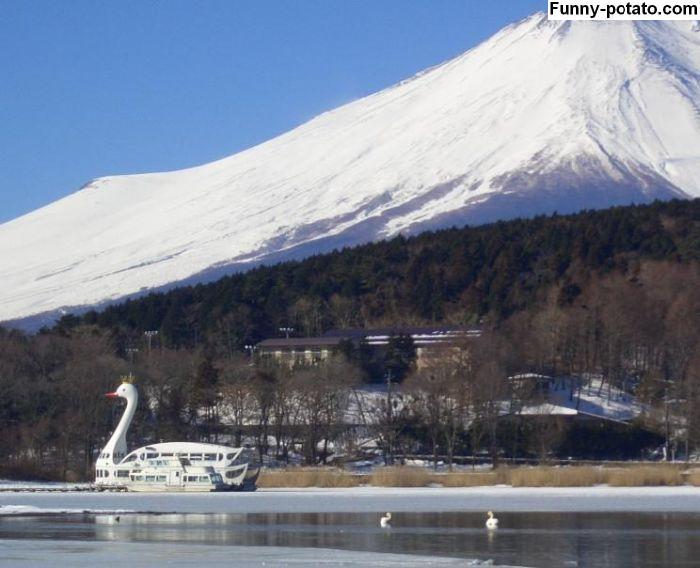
168 466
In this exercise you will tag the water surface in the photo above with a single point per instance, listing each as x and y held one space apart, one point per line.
544 539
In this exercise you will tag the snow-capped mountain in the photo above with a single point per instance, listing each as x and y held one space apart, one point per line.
544 116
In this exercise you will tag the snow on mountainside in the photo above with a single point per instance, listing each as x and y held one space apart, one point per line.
543 116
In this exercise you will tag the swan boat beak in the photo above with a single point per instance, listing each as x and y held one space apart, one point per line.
111 394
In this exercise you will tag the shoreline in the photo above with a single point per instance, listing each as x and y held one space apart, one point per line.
679 499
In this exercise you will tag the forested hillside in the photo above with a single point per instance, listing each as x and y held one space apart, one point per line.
610 298
456 276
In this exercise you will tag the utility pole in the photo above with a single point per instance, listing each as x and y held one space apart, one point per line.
389 420
667 419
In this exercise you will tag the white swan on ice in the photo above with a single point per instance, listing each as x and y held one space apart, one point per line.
384 522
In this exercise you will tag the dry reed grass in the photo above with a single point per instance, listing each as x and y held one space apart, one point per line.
312 477
634 475
469 479
643 476
693 477
575 476
401 476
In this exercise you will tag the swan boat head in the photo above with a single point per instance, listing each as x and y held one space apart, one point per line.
115 449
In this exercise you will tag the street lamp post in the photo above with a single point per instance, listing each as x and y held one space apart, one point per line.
286 331
250 349
150 334
131 352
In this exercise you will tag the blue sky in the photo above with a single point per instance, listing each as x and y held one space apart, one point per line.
90 89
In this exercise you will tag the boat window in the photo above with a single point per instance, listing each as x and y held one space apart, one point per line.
169 455
142 456
191 478
151 455
122 473
150 478
204 478
221 456
161 478
130 458
195 457
210 457
230 456
106 473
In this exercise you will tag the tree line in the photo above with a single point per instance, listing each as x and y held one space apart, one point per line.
638 336
612 294
456 276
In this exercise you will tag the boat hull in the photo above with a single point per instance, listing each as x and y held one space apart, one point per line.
162 488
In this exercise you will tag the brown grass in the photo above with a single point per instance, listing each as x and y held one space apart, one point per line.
469 479
693 477
642 476
311 477
402 476
575 476
634 475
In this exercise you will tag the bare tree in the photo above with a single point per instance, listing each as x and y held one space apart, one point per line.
441 397
238 395
324 394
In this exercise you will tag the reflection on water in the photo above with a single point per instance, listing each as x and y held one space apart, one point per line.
529 539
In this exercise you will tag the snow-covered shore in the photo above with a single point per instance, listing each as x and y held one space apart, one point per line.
374 499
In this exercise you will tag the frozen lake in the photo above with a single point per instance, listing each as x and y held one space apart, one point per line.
374 499
431 527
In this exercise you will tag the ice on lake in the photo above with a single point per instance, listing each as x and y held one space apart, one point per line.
372 499
136 555
431 527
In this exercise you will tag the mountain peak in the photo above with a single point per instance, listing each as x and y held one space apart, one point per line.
544 116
